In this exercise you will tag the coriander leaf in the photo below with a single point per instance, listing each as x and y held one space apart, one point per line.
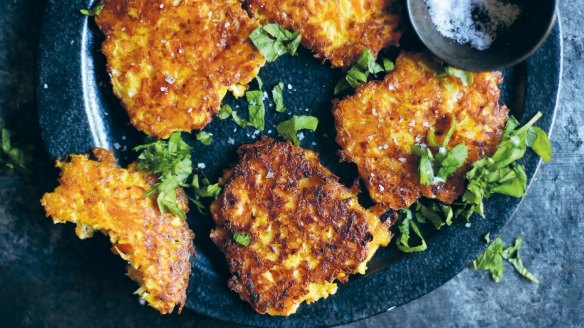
260 82
256 109
465 77
205 189
491 260
205 137
11 157
277 94
366 63
225 111
487 237
95 11
539 142
289 129
403 242
360 72
511 254
388 65
426 166
500 173
272 41
452 161
438 214
243 239
170 160
355 77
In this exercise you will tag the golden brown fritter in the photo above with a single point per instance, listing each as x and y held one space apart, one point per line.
335 30
98 195
171 62
377 126
307 230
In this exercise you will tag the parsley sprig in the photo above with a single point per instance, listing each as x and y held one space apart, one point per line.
362 70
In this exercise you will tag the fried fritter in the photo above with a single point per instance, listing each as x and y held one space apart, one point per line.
377 126
306 229
335 30
171 62
98 195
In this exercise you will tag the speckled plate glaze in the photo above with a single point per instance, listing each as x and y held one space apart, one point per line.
78 111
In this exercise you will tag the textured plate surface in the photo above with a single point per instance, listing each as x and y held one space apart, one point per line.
78 111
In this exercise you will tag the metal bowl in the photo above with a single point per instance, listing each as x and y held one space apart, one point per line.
512 46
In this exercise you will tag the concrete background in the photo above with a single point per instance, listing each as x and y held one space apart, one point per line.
551 220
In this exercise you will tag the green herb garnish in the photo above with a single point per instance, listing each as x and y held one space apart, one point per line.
95 11
256 109
170 160
289 129
11 157
492 260
406 226
205 138
437 168
360 72
272 41
499 173
203 189
278 96
466 78
226 111
243 239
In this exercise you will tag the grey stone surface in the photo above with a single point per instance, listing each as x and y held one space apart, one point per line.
551 220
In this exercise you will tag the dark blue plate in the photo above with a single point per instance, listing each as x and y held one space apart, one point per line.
78 111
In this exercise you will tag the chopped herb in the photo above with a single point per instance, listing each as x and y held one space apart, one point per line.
272 41
243 239
388 65
277 94
170 160
492 260
95 11
403 242
227 111
360 72
205 138
256 109
11 158
511 254
487 238
466 78
289 129
436 169
203 189
438 214
539 142
500 173
260 82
